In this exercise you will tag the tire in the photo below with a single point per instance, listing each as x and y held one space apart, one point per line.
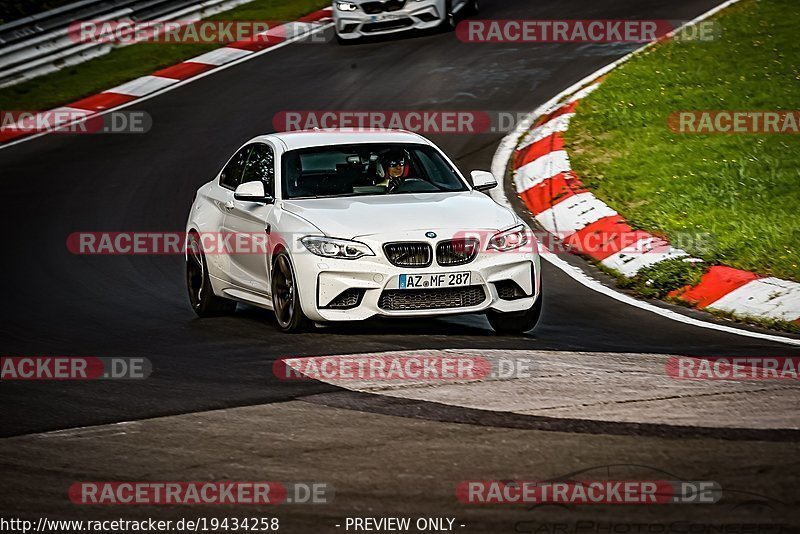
448 23
201 295
516 322
285 298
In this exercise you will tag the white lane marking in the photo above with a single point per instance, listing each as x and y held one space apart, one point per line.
74 112
577 274
290 29
573 213
586 91
62 115
765 297
142 86
180 83
500 163
644 253
221 56
559 124
540 169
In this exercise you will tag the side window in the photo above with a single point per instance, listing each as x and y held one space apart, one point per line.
261 166
231 175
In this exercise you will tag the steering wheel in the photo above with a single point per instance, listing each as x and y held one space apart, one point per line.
396 184
414 185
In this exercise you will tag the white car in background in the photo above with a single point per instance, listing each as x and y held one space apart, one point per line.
359 224
362 18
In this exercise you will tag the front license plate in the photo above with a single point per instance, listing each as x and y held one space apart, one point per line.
423 281
386 17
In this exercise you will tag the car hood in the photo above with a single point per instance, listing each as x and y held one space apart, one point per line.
349 217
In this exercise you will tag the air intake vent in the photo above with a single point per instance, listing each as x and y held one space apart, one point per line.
347 299
509 290
432 299
387 25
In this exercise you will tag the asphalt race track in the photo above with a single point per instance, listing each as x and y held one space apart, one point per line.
59 303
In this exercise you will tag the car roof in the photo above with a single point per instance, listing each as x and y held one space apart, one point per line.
312 138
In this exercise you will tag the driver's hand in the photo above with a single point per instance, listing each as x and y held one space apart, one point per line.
394 183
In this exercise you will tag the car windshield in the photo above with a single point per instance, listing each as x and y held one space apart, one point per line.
367 169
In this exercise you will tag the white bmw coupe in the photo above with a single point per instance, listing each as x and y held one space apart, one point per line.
363 18
343 226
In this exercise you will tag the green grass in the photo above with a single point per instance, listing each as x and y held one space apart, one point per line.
130 62
764 322
743 190
657 280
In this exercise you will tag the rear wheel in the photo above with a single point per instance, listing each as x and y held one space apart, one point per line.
201 296
285 296
516 322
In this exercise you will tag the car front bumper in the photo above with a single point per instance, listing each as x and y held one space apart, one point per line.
415 15
369 286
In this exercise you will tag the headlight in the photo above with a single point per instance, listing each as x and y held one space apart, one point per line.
330 247
509 239
346 6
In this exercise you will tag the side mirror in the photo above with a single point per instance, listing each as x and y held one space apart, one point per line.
253 192
483 180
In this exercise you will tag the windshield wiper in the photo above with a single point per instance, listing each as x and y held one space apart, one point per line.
334 196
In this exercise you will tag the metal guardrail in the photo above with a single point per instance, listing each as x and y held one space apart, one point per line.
30 26
40 44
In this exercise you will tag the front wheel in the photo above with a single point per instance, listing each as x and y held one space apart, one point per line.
516 322
286 297
449 21
201 296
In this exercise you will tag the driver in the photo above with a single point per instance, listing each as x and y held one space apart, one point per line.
395 167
